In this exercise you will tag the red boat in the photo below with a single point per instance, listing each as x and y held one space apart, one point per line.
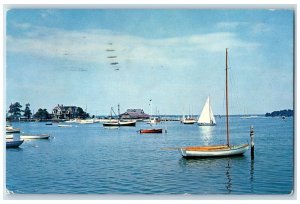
151 130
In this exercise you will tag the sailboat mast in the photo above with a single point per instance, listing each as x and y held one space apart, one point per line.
119 111
227 121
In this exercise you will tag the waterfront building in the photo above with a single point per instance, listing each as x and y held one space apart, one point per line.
64 112
134 114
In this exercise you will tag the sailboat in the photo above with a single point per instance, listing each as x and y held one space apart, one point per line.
222 150
152 121
119 122
207 116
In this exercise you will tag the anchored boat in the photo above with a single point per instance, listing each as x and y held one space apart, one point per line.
10 129
13 143
38 136
158 130
216 150
119 122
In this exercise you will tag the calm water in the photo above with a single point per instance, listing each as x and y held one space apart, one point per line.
90 159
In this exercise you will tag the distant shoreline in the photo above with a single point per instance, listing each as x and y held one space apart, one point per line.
163 118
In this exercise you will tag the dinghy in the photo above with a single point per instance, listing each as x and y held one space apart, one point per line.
38 136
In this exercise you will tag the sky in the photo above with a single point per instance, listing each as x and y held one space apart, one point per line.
176 57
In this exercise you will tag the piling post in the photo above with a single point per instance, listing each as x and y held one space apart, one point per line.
252 141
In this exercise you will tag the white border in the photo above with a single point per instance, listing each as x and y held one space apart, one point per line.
189 4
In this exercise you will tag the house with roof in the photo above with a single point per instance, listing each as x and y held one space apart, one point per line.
134 114
64 112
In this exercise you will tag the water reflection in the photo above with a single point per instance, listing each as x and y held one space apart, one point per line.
221 167
206 133
228 184
252 175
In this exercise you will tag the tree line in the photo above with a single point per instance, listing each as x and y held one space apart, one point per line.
286 113
15 112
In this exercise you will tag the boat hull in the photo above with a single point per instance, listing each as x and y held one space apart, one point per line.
143 131
29 137
206 124
64 126
122 123
214 151
14 143
13 130
188 122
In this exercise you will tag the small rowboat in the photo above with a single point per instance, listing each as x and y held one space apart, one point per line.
13 143
10 129
151 130
29 137
64 126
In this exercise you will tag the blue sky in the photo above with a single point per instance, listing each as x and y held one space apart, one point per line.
174 57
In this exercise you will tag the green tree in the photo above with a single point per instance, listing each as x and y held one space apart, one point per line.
15 110
42 114
81 114
27 111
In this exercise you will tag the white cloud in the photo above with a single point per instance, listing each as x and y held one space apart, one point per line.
90 46
260 28
229 25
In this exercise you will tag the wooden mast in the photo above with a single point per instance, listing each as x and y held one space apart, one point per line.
227 121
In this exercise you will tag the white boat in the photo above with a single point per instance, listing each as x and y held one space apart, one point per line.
187 120
38 136
248 117
71 121
223 150
11 129
86 121
154 120
10 136
207 117
213 151
64 126
118 122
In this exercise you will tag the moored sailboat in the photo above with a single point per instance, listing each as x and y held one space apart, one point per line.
119 122
222 150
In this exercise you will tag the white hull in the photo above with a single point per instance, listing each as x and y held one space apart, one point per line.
86 121
120 123
29 137
9 136
10 129
222 152
188 121
64 126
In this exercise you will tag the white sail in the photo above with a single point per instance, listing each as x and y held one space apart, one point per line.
207 115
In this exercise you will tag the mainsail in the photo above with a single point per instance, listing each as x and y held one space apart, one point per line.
207 116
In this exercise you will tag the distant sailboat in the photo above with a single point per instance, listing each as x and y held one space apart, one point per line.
119 122
207 116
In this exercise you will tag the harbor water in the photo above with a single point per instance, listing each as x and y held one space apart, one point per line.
91 159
